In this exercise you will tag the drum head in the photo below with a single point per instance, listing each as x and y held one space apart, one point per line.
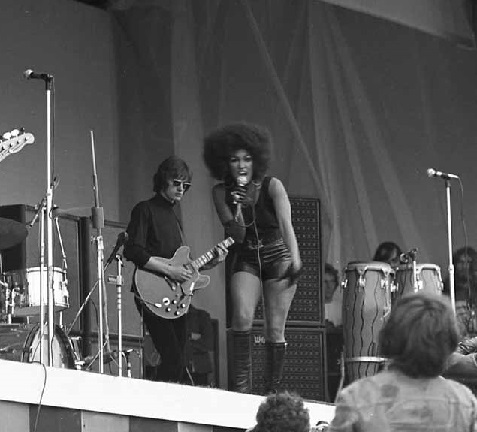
63 355
371 265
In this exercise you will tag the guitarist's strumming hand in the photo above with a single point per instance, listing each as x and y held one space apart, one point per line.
178 273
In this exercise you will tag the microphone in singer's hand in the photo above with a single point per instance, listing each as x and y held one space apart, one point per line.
431 172
239 193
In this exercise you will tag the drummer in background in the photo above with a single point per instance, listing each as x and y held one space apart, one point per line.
333 297
465 289
388 252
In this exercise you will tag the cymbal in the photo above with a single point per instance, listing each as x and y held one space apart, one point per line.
11 233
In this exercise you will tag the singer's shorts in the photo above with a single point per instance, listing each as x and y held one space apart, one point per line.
268 261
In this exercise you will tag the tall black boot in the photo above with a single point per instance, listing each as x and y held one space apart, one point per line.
242 361
274 361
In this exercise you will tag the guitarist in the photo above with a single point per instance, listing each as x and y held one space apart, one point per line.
155 232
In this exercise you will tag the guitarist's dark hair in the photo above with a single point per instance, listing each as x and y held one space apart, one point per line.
170 169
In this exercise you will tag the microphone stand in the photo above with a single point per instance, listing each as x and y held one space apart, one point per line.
49 222
449 244
118 281
98 224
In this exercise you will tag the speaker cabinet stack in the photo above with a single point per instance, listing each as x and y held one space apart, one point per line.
305 363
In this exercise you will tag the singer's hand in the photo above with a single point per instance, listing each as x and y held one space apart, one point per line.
292 273
179 273
239 194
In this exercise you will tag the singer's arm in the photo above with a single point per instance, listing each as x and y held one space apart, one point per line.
283 212
234 224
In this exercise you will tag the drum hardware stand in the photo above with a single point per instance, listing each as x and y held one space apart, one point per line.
64 266
41 210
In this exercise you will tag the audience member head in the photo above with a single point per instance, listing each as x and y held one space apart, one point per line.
222 143
282 412
331 281
420 334
465 263
388 252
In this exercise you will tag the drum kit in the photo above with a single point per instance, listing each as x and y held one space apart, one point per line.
20 305
369 291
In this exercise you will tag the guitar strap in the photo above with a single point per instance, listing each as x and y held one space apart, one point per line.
181 231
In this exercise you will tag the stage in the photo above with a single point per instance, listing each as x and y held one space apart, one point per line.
73 400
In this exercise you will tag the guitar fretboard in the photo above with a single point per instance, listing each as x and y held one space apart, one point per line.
209 255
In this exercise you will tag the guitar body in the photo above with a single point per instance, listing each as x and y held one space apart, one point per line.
164 297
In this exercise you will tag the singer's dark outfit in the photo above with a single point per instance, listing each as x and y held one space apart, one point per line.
263 250
154 230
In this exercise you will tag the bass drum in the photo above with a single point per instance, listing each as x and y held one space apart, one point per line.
366 306
21 342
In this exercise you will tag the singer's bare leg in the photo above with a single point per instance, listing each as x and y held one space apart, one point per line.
246 290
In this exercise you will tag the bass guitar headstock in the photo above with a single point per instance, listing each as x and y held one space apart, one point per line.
13 141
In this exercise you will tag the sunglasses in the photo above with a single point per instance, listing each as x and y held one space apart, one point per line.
185 185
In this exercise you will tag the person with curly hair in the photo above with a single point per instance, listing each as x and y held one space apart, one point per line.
418 339
255 210
282 412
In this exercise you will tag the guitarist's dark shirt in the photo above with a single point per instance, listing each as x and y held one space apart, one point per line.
153 230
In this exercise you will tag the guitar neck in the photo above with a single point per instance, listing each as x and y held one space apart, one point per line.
209 255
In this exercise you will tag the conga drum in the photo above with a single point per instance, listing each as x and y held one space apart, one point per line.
366 306
428 279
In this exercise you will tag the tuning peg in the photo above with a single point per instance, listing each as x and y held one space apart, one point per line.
15 132
7 135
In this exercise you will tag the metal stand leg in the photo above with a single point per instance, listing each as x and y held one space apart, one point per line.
118 281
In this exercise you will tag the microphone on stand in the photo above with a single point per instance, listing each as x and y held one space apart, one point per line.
122 238
29 74
431 172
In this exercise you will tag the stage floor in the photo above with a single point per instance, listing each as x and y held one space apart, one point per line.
119 403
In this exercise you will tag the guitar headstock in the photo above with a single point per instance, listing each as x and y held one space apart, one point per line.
14 141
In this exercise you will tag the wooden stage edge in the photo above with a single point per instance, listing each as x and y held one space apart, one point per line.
73 400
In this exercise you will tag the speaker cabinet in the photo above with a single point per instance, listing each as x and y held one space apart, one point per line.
114 296
305 366
131 320
307 306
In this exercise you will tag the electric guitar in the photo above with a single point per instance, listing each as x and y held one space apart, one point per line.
14 141
167 298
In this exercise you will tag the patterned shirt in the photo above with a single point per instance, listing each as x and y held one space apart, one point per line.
393 402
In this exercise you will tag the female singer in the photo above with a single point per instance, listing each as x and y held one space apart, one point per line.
254 209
